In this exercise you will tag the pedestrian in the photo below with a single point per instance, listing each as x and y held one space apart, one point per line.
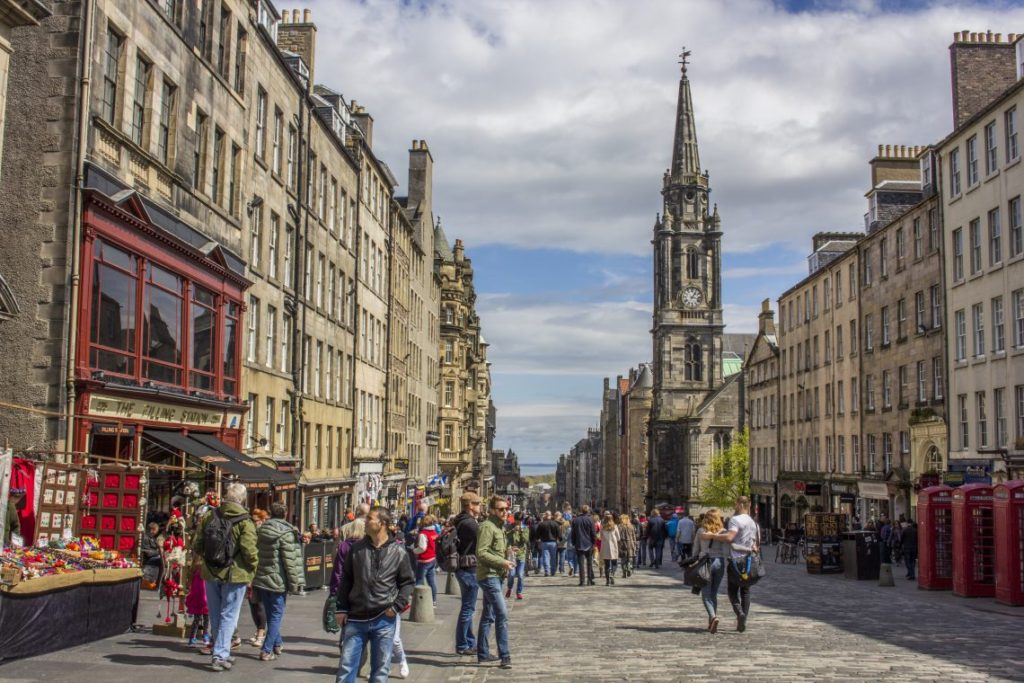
196 605
609 548
376 585
684 537
491 568
426 555
360 517
466 528
226 540
742 535
548 533
583 538
627 545
563 535
908 543
884 535
656 535
717 554
517 536
281 570
535 546
642 541
413 525
670 533
252 595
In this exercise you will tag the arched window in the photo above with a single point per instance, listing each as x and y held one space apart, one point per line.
692 264
692 362
933 461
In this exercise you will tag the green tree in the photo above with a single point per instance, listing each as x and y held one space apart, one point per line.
730 474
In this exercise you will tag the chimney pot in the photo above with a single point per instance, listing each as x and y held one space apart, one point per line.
880 149
999 37
307 16
903 151
988 36
888 150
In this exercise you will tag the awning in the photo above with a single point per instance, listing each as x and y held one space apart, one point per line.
211 451
875 490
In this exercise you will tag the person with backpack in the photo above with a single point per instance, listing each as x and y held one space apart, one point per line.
281 570
517 536
226 540
426 555
465 529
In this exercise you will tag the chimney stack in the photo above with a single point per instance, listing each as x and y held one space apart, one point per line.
299 36
982 66
421 178
364 121
766 319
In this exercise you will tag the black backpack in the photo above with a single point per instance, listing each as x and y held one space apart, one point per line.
446 550
219 539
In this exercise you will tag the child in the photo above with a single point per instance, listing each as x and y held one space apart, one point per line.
196 606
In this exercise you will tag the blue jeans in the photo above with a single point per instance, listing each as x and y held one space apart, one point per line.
518 572
495 612
425 572
273 604
561 561
656 550
570 557
464 639
910 558
641 552
380 633
709 593
549 552
225 601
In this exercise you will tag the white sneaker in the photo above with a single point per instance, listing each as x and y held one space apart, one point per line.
403 670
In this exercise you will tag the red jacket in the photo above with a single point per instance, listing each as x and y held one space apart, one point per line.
430 552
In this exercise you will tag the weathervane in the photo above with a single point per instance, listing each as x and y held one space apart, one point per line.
684 57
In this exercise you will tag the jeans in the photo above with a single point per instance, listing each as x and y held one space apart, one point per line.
641 552
397 649
585 562
495 612
739 595
673 548
570 558
273 605
910 557
561 561
517 573
549 550
685 549
464 639
709 593
380 633
657 547
425 573
225 601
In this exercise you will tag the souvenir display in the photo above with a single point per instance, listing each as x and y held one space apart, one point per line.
59 505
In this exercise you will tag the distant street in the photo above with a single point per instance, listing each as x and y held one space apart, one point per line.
648 628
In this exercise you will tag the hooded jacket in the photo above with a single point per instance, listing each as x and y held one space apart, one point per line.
243 567
280 567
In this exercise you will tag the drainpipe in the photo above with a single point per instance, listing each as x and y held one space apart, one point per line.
74 242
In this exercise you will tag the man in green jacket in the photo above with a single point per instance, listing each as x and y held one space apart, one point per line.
492 566
280 572
225 585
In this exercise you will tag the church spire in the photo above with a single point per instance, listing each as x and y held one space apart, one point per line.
685 157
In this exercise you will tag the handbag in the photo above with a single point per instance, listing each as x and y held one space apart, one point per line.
330 618
750 569
698 574
687 562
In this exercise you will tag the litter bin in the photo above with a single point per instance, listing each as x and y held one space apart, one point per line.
862 555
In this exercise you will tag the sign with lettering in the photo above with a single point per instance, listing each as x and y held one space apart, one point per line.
158 411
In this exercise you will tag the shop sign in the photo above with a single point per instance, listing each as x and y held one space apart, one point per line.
799 486
113 430
847 498
812 489
876 490
968 472
157 411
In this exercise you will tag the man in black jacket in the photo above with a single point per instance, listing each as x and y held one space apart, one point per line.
376 587
466 527
656 535
583 537
548 532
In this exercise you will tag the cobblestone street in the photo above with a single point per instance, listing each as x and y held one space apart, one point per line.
648 628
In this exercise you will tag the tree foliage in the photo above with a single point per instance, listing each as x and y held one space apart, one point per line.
729 475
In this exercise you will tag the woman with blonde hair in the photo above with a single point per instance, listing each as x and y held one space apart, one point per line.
627 544
717 553
609 547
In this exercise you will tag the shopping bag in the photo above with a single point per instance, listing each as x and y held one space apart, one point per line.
330 618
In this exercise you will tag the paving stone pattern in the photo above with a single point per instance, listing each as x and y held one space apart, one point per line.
647 628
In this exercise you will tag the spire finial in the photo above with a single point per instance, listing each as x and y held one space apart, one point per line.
684 58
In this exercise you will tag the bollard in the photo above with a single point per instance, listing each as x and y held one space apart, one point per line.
451 585
422 605
885 575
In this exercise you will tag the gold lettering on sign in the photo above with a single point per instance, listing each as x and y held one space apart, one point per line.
153 411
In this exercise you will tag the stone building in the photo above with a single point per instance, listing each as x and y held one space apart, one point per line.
761 383
976 169
636 419
580 470
695 407
611 441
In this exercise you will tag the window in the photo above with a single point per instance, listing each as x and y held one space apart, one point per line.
937 388
692 362
320 274
922 382
1018 401
991 149
839 289
205 39
828 347
886 390
218 159
872 451
999 407
272 240
869 392
256 242
995 238
318 364
329 373
1010 123
111 75
292 152
223 45
855 452
449 393
163 312
885 326
289 254
903 377
954 172
143 71
286 340
964 431
841 453
978 320
972 160
839 342
447 443
1016 238
271 336
333 212
840 398
449 351
935 294
933 229
240 40
904 442
268 424
1018 318
307 275
329 299
958 254
250 432
275 159
305 360
975 237
960 323
165 134
901 319
919 311
982 417
901 245
998 332
170 9
883 258
233 179
918 239
199 156
869 332
261 124
867 268
254 316
854 341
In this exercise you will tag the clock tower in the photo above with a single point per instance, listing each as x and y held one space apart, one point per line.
687 325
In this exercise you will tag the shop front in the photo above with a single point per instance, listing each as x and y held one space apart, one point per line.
762 500
325 503
873 501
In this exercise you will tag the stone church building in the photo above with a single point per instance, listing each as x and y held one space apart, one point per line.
697 395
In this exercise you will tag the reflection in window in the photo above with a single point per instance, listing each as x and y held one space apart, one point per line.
114 291
162 325
203 316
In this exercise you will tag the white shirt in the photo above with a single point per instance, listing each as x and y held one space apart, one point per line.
685 530
746 535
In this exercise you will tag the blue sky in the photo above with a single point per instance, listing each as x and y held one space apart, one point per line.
551 124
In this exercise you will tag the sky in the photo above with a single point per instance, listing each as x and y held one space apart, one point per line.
550 125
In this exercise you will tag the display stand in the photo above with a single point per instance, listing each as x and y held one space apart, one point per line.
823 533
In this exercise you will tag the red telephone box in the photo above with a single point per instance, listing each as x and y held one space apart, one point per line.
973 542
935 538
1008 507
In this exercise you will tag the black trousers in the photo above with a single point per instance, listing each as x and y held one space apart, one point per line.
585 561
739 595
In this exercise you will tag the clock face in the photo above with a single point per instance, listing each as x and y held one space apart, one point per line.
692 297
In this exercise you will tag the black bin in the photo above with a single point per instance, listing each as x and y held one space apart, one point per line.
862 555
